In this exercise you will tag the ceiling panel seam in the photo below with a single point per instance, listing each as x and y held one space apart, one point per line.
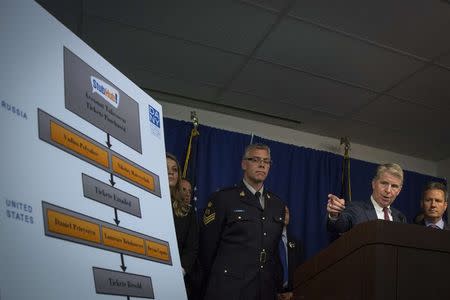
258 45
361 39
162 34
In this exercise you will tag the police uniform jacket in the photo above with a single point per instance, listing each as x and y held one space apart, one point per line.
239 241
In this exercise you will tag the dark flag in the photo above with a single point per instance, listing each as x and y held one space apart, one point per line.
346 189
190 162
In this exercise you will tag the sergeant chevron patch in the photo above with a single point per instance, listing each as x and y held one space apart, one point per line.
209 218
209 214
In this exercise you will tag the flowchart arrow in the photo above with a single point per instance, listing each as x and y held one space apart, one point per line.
108 143
111 180
122 266
116 219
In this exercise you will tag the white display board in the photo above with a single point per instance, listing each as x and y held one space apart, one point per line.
85 209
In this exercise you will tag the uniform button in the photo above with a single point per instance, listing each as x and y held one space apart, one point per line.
265 233
225 271
263 218
239 217
262 267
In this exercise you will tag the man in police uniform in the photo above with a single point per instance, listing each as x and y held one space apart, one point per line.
241 229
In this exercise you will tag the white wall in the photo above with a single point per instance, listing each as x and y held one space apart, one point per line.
295 137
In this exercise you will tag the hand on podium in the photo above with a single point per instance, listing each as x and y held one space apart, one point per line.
285 296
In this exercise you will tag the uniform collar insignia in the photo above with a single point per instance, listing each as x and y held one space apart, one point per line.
291 245
242 194
268 196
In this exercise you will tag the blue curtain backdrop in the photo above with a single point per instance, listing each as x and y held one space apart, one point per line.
302 177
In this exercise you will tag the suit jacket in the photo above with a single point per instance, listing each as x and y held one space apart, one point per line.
238 244
357 212
446 226
295 258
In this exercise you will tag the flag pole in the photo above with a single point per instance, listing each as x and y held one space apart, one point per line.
345 181
194 133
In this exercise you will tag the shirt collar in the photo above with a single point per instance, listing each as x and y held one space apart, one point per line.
439 223
251 189
378 208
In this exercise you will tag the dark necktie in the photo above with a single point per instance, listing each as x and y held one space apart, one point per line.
434 226
283 258
258 197
386 213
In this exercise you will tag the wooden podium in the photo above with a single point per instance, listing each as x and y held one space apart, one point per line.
379 260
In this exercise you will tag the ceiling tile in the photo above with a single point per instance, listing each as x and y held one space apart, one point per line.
414 26
276 5
445 60
279 84
158 54
403 117
150 81
67 12
325 52
224 24
275 109
430 87
411 143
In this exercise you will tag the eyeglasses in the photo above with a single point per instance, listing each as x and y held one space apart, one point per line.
259 160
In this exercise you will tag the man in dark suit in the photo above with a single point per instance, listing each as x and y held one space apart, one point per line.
290 255
386 186
434 205
240 233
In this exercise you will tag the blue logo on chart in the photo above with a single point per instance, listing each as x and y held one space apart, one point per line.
155 120
153 114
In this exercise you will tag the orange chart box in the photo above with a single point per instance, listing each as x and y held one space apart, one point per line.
157 250
116 239
137 175
68 139
73 227
83 147
68 225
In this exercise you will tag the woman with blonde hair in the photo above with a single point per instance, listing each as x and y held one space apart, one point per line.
184 216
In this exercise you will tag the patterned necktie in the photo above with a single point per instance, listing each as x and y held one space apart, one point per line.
283 258
386 213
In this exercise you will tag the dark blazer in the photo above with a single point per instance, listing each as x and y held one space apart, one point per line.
238 244
186 229
357 212
446 226
295 258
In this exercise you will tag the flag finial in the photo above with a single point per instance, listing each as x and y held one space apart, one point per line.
194 118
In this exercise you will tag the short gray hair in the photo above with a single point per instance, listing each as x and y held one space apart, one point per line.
391 168
252 147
